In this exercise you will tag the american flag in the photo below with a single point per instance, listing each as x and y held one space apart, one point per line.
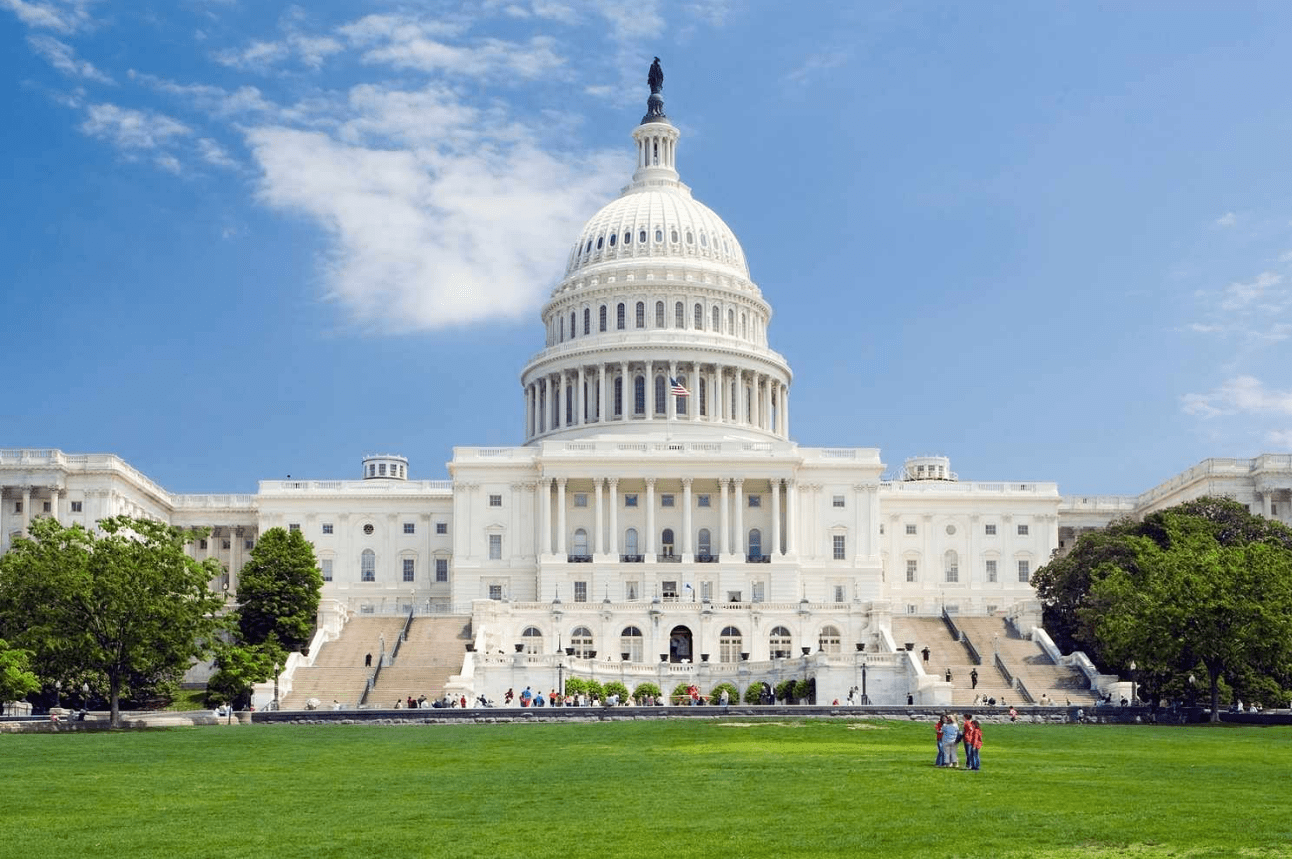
679 390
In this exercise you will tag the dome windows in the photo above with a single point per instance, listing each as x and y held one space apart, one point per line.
690 239
588 249
641 314
600 239
603 318
620 313
659 235
613 238
704 240
628 237
674 237
641 237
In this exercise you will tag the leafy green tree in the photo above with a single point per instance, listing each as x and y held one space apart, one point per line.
278 591
126 604
16 677
645 689
733 694
614 687
239 666
1202 587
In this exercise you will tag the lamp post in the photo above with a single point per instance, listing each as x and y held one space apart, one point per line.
1132 674
1193 691
865 699
276 670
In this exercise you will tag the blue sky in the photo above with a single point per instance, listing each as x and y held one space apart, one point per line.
249 239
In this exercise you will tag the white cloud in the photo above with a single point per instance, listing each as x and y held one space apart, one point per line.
1226 220
259 55
411 44
816 64
212 99
128 128
214 153
450 229
168 162
61 16
1239 296
63 57
1279 438
1239 395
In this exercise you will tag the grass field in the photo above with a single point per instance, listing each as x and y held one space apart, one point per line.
658 788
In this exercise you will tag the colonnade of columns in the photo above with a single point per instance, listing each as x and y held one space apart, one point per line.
16 508
731 544
585 395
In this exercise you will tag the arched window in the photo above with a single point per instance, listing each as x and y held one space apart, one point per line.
641 236
619 396
580 542
703 388
639 395
581 641
620 315
587 320
368 566
602 320
532 640
630 644
699 317
569 405
562 329
828 640
659 314
731 322
666 542
613 237
744 325
600 240
681 401
659 234
661 394
779 643
717 320
951 563
704 543
729 644
641 314
630 541
573 327
755 543
679 315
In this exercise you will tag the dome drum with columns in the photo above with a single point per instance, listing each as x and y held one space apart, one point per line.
656 300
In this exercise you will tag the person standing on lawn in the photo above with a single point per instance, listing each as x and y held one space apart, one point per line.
950 734
972 741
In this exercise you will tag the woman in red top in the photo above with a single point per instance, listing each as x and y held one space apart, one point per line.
973 742
941 761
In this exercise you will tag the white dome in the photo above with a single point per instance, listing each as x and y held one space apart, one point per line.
665 223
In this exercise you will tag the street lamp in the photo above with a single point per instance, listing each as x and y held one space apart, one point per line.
276 670
1132 674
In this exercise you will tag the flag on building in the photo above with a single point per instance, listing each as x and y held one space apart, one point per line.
679 390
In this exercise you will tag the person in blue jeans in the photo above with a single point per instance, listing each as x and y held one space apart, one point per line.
950 735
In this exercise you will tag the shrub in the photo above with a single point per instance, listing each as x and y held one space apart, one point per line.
754 694
575 686
715 694
645 689
803 690
680 695
593 689
614 687
785 691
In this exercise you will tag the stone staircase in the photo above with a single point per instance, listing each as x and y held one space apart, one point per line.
430 655
1026 660
338 673
946 652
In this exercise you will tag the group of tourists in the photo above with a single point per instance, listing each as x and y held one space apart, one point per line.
949 733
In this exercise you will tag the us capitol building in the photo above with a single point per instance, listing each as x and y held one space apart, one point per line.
658 514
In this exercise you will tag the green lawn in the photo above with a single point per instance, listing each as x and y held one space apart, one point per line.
660 788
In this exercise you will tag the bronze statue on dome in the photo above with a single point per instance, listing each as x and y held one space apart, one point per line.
655 104
655 78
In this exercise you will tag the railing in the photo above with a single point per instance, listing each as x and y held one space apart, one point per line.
579 559
1022 690
669 559
706 559
758 559
632 559
1004 670
973 651
403 635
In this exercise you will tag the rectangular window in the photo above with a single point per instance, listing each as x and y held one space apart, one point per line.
325 564
224 544
1022 530
1024 571
410 527
248 544
441 527
666 500
840 547
881 529
839 593
495 500
409 569
630 499
989 530
45 507
991 571
580 591
292 527
441 569
758 591
733 596
201 544
495 547
630 591
706 591
912 570
495 592
76 507
911 608
838 501
755 501
580 499
910 530
327 527
953 573
670 590
17 507
702 500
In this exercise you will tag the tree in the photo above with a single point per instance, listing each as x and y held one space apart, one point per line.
1202 587
16 677
278 591
239 666
126 604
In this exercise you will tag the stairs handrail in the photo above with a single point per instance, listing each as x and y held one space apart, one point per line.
1003 669
951 625
372 681
1022 690
973 651
403 634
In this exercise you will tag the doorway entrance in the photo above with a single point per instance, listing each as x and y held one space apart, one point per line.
679 644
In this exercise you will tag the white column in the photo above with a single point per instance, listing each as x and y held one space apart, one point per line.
738 498
26 509
560 516
741 411
626 392
724 528
787 411
545 500
650 390
601 392
53 505
614 517
650 520
686 520
599 529
235 557
581 418
853 544
670 401
776 518
791 516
